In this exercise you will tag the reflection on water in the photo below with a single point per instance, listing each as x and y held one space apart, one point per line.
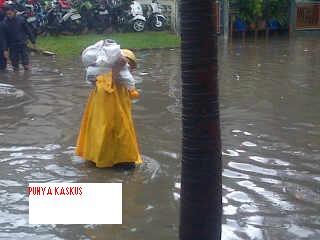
270 116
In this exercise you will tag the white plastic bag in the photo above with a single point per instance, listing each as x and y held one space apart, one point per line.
93 71
89 55
100 57
108 55
102 53
126 78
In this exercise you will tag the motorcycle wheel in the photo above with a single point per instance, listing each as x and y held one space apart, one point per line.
52 25
33 28
138 25
157 25
76 27
42 30
101 24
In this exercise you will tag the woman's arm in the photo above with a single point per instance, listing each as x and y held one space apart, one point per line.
119 65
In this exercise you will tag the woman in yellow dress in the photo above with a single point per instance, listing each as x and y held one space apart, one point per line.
107 135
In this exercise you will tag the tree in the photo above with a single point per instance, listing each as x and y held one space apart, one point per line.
201 190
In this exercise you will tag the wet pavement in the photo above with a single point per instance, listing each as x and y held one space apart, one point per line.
270 119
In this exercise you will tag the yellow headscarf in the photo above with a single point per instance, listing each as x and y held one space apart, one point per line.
130 55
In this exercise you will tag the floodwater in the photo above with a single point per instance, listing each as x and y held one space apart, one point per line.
270 119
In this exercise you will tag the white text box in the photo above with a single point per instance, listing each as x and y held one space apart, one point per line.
75 203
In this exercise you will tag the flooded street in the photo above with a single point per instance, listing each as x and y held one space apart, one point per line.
270 120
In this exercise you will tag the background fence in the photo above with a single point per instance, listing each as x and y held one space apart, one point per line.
308 16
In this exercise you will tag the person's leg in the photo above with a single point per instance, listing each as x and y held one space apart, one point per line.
125 166
24 54
3 61
14 57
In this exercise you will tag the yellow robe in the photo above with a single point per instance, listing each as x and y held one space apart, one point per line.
107 134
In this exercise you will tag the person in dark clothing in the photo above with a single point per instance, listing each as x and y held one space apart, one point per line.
17 33
3 48
2 14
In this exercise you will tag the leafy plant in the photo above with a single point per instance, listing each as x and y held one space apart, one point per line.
278 10
250 10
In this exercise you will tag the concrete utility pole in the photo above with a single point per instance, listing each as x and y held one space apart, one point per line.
225 19
292 17
177 16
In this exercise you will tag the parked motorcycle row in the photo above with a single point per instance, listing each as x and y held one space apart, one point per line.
76 16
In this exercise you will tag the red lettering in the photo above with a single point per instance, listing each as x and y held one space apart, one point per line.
49 191
67 191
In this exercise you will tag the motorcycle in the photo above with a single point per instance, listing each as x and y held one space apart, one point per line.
155 19
62 17
35 16
41 16
137 21
97 15
129 15
102 17
19 7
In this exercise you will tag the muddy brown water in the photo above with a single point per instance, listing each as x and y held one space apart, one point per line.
270 116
